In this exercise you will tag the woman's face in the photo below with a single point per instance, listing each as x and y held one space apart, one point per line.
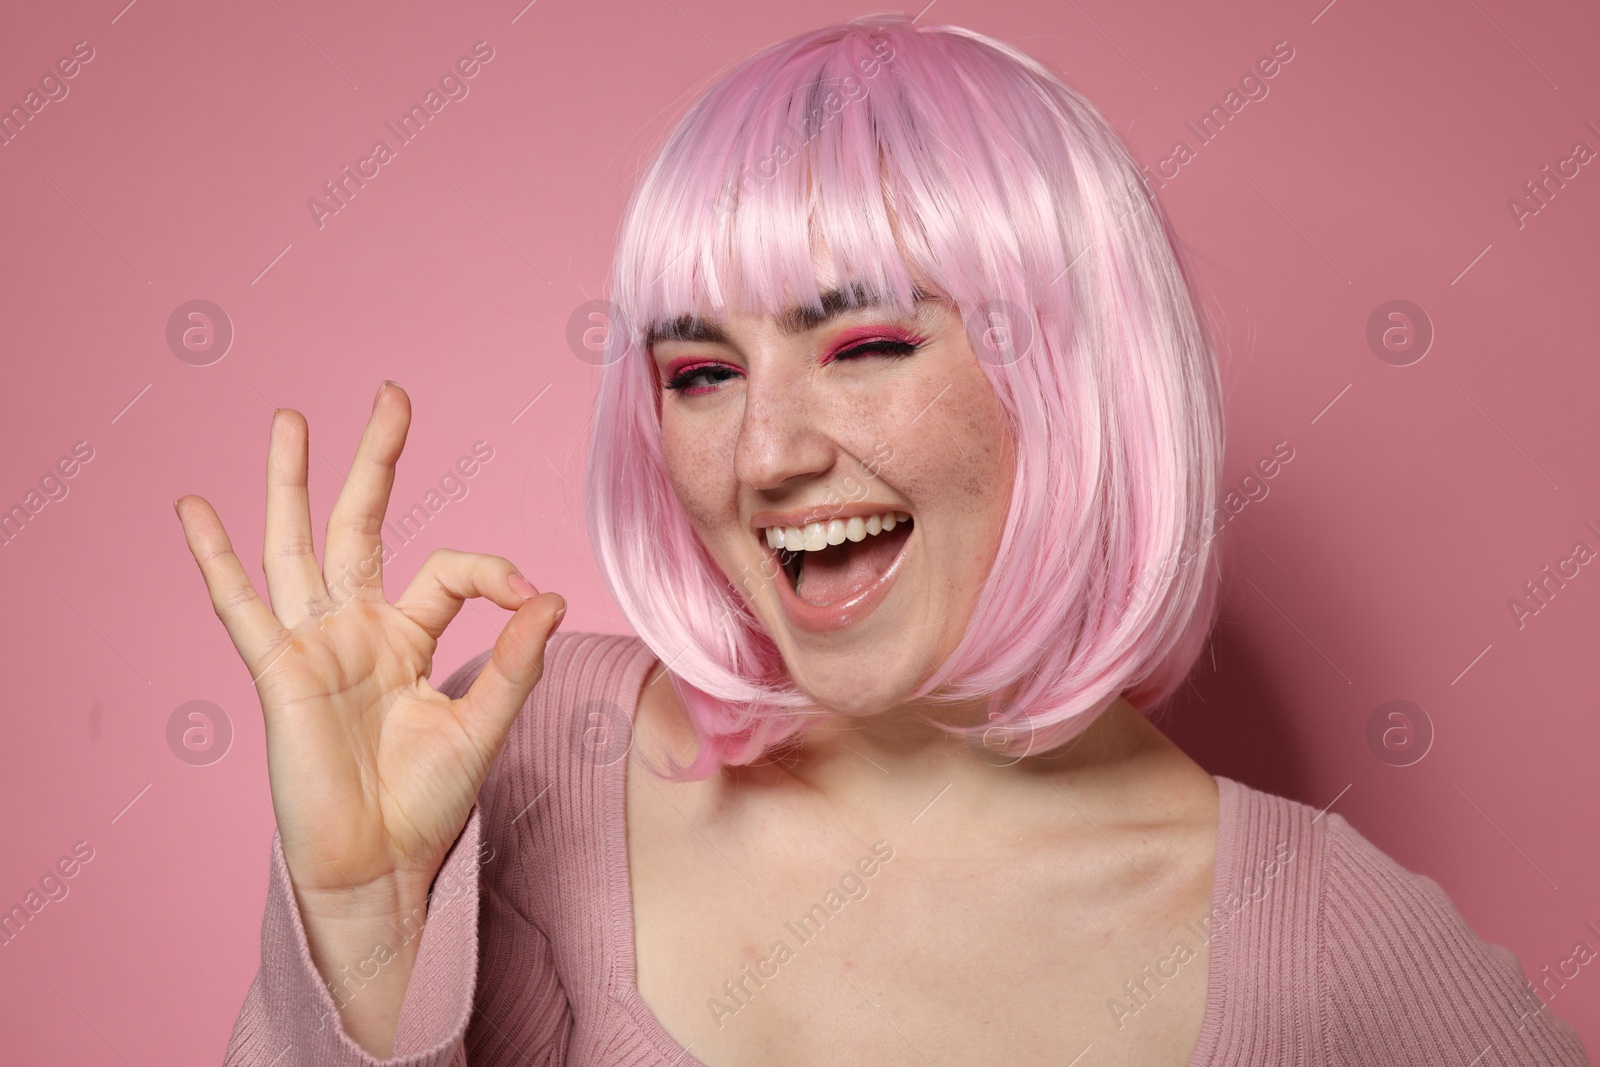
839 421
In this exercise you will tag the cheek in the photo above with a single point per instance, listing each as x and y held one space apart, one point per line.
962 458
697 473
984 471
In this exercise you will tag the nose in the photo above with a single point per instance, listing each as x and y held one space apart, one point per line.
783 431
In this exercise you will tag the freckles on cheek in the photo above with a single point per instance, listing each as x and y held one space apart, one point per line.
955 449
971 451
694 469
982 466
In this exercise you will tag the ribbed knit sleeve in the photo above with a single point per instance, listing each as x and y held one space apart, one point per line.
483 982
1403 978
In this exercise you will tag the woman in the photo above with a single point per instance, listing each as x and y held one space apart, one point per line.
903 469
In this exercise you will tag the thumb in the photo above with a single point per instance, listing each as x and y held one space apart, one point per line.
497 695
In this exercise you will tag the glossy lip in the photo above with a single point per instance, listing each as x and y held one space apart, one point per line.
820 513
804 615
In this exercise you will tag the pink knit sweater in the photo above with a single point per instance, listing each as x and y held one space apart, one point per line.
1324 952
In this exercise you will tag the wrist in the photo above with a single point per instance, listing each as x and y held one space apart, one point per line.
361 935
390 898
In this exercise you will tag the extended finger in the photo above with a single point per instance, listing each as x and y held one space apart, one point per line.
255 631
447 579
294 581
353 550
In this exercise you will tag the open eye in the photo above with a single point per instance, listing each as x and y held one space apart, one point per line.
699 378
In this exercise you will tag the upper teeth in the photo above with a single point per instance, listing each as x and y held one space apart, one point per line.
816 536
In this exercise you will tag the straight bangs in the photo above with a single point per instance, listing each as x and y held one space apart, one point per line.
936 159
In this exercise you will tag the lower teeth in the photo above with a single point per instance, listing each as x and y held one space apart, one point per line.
793 562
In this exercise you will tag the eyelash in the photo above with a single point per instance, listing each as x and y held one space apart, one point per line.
894 349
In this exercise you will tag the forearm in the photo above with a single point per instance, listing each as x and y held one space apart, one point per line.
364 944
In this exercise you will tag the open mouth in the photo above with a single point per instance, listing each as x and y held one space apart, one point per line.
831 562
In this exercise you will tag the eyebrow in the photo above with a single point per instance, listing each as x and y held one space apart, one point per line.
795 320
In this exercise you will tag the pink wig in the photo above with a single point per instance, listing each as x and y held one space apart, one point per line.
932 156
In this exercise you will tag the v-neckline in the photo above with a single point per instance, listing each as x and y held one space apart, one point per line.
622 977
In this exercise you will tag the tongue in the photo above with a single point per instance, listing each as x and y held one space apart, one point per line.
842 570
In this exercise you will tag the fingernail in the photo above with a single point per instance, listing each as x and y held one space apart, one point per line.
521 586
560 612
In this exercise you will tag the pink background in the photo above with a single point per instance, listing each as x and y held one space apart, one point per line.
1379 565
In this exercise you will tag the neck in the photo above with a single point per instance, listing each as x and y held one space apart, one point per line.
884 771
886 762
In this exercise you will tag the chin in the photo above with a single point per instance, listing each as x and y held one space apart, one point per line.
855 690
850 652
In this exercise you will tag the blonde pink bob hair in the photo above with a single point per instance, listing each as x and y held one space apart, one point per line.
937 154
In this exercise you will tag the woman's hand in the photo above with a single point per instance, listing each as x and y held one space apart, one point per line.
374 772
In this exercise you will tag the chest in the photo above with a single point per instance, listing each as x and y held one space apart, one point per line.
797 949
